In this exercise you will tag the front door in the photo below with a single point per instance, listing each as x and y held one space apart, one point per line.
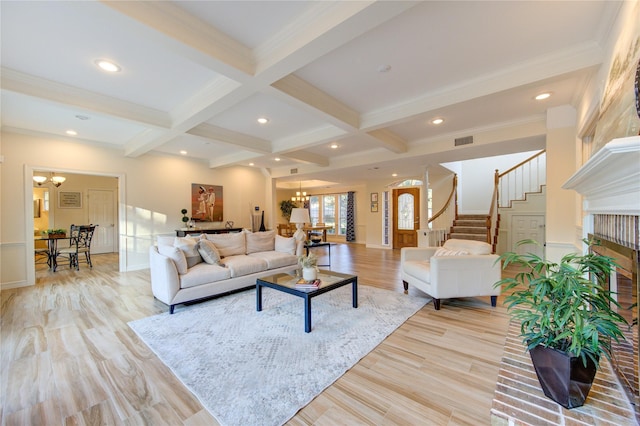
406 210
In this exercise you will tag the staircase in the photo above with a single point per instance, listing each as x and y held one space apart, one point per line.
471 227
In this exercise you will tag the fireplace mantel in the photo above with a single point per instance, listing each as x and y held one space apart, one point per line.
610 180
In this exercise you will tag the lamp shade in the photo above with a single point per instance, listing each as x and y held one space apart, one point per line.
299 215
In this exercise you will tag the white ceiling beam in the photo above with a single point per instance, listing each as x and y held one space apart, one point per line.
389 140
26 84
233 159
308 158
556 64
175 22
314 97
220 134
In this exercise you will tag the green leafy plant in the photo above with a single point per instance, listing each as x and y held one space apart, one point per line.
55 231
310 261
564 305
285 207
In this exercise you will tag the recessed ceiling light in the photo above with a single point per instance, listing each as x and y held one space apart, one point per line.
72 133
183 152
543 96
437 121
251 164
394 174
263 120
277 158
334 146
108 66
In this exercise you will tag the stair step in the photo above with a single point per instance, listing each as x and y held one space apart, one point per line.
475 237
467 222
470 230
473 216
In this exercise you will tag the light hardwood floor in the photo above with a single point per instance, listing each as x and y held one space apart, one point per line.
69 358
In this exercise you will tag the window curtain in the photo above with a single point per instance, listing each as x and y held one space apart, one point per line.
351 229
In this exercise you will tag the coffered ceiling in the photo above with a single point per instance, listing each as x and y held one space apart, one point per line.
367 76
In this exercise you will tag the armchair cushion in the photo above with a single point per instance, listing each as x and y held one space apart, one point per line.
446 252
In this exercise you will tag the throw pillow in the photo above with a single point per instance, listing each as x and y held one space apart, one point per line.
446 252
229 244
285 244
189 247
260 241
209 252
176 255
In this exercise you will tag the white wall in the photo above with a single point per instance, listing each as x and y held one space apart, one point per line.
476 177
153 191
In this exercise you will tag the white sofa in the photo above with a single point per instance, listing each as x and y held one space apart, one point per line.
460 268
186 269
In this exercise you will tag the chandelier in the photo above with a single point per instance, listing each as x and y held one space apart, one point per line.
55 180
301 196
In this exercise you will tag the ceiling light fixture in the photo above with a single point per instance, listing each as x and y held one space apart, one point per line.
394 174
71 132
437 121
334 146
251 164
55 180
301 196
108 66
183 152
543 96
263 120
277 158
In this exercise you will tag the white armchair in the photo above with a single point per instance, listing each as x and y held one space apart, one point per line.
462 268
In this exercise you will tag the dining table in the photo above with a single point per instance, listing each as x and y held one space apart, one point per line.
317 228
52 248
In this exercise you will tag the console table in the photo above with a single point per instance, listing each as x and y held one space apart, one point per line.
185 232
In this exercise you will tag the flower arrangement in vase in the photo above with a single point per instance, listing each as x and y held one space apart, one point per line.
309 266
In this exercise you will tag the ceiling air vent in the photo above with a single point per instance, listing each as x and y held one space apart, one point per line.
294 171
464 141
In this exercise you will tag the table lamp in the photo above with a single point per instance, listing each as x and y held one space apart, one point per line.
299 217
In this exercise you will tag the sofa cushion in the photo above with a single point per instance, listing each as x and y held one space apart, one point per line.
260 241
240 265
229 244
165 241
470 246
189 247
204 273
446 252
176 255
209 252
418 269
276 259
285 244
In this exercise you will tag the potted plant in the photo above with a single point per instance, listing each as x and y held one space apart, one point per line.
285 207
309 266
567 318
185 218
55 233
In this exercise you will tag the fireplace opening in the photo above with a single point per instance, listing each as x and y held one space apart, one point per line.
624 283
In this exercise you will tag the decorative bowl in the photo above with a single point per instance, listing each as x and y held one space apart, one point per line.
316 239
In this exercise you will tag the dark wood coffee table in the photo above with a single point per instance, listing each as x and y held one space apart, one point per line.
330 280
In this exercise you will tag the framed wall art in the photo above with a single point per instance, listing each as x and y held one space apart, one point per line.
374 197
374 207
70 199
206 202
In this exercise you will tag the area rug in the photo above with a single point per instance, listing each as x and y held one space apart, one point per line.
259 368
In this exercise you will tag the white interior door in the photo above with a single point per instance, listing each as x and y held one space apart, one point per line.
528 227
102 212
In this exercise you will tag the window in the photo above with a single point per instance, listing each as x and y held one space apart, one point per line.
330 209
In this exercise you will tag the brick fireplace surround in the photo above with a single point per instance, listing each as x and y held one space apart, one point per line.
610 185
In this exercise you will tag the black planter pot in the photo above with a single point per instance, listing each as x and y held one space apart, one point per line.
563 378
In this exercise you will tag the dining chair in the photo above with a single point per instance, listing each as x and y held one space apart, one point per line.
41 256
79 242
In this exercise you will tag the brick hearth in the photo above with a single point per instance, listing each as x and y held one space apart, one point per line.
518 399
